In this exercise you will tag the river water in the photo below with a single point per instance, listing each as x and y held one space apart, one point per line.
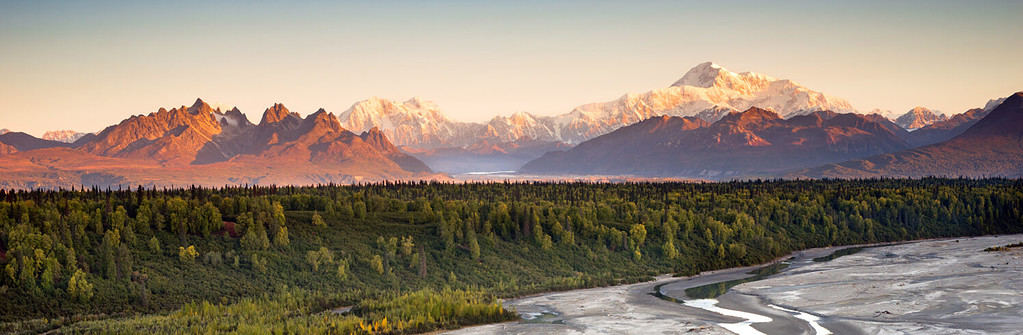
948 286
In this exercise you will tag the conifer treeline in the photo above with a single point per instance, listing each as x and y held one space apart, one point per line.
73 252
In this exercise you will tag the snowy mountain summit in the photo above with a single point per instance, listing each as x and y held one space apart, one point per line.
740 91
919 117
708 91
65 136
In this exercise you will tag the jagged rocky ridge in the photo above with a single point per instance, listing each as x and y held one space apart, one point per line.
201 145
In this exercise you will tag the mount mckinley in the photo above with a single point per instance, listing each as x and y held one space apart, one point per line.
707 91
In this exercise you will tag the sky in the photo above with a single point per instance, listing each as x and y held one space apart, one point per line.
84 65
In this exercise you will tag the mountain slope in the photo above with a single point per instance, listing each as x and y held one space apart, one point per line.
993 146
754 142
24 142
175 136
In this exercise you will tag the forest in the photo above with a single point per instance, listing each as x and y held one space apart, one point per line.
412 257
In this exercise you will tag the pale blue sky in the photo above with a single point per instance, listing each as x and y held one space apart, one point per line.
86 65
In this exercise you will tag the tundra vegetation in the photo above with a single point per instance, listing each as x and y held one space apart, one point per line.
415 257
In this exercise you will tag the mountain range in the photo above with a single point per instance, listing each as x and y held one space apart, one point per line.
709 124
707 91
760 143
204 146
991 147
753 142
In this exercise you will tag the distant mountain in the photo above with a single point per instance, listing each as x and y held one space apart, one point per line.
756 142
707 91
992 146
944 130
919 117
201 145
414 123
66 136
24 142
4 131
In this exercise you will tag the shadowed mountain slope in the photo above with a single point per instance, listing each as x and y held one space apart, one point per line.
751 143
993 146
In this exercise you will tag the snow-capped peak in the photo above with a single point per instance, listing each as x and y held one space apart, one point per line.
413 122
919 117
991 104
66 136
702 75
712 75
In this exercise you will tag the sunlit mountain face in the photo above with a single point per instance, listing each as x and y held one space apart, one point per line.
202 146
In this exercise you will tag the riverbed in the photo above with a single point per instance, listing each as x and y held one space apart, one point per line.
929 287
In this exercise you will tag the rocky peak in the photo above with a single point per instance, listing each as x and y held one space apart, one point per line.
751 116
234 117
375 137
235 112
200 107
275 114
324 121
